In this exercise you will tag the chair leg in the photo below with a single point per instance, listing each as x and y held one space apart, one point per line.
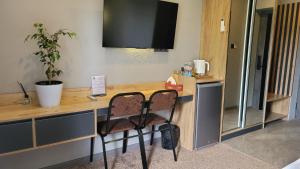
125 141
152 135
173 146
92 149
104 152
142 149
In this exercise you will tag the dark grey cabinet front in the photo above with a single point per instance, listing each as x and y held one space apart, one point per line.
66 127
15 136
208 114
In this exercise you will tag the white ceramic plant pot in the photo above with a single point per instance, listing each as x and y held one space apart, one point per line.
49 95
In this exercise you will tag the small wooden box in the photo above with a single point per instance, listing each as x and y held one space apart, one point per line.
178 87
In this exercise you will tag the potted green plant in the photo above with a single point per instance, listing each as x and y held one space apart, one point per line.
49 91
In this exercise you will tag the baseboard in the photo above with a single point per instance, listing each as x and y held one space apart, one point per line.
75 162
241 132
99 156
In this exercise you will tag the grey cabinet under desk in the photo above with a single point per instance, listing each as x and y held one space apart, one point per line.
16 136
34 133
50 130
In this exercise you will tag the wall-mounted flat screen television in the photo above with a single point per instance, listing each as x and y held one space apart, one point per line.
139 24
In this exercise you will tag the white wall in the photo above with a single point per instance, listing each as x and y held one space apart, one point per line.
82 58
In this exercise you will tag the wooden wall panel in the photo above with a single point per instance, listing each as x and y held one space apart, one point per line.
214 43
292 40
285 49
275 48
264 4
294 51
280 54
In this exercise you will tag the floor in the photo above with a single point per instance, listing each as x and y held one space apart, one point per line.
278 144
218 156
271 148
230 119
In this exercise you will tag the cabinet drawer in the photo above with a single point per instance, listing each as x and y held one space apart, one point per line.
15 136
61 128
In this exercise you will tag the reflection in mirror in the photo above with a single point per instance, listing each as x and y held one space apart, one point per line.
231 115
258 66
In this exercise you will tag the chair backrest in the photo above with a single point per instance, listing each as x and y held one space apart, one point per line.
126 104
163 100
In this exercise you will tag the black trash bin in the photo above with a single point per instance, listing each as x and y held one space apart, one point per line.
166 138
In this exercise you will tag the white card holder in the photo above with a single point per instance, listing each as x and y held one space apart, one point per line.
98 86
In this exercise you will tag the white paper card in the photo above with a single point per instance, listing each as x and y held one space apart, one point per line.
98 85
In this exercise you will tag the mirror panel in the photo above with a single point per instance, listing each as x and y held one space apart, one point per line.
234 68
258 59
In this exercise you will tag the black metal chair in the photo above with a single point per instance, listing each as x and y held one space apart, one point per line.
121 107
163 100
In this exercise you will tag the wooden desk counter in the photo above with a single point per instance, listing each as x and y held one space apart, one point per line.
76 108
38 127
208 79
73 100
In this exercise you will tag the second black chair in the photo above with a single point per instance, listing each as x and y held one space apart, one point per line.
160 101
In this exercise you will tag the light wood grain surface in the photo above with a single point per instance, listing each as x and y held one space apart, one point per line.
264 4
75 100
282 54
284 50
281 107
273 97
214 43
184 117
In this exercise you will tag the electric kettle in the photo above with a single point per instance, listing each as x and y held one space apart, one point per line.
200 67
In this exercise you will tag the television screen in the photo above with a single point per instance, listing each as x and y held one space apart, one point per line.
164 32
139 24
